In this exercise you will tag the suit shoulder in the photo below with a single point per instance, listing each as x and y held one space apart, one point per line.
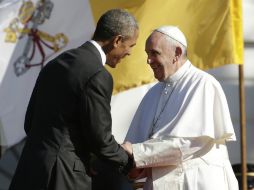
101 83
102 76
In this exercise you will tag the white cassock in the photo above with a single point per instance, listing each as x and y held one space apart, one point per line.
179 133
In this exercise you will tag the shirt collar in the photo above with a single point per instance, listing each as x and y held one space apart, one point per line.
98 47
179 73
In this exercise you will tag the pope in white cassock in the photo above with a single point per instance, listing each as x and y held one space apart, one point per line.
179 131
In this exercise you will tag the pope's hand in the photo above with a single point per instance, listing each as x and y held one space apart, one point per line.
136 173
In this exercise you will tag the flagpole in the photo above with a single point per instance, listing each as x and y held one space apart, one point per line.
243 127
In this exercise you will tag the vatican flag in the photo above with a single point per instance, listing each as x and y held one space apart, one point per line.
34 31
31 33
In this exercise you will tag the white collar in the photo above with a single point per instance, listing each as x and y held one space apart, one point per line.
98 47
179 73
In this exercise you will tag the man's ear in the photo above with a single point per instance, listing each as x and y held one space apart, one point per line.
178 52
117 40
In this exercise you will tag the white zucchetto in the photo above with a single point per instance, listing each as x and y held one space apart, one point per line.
174 33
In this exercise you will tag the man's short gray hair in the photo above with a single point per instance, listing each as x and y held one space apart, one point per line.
115 22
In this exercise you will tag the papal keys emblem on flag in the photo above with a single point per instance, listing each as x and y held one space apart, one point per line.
30 16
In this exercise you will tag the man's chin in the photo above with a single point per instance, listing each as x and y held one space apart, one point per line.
112 65
114 62
158 78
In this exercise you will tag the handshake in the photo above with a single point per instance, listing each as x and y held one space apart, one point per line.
98 166
127 146
135 173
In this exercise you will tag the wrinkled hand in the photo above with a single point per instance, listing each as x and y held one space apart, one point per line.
127 146
136 173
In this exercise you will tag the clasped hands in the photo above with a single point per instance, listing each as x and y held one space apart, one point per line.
135 173
96 164
127 146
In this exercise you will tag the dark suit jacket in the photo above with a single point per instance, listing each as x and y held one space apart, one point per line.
68 117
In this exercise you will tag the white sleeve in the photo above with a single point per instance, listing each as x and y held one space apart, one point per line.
167 150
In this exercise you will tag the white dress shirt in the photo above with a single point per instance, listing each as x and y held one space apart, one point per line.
98 47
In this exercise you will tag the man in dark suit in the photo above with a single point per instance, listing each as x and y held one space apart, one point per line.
68 117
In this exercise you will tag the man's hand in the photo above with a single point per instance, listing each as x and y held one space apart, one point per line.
127 146
92 163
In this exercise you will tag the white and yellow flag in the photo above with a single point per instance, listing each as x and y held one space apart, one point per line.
28 39
31 33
